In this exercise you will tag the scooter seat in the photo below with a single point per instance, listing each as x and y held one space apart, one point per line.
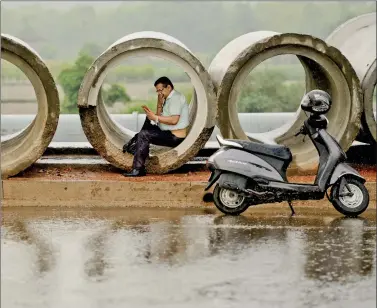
278 151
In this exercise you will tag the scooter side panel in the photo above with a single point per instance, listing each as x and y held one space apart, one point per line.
342 170
241 162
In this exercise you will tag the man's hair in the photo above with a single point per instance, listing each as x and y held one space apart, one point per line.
165 81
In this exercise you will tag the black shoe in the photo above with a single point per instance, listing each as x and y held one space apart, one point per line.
135 172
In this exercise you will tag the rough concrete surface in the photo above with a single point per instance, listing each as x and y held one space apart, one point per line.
356 39
325 67
108 138
80 188
19 151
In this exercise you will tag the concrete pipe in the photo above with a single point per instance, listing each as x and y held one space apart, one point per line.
108 138
19 151
356 39
325 68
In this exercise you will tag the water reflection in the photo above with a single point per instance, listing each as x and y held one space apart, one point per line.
21 232
236 233
95 265
345 249
260 260
103 244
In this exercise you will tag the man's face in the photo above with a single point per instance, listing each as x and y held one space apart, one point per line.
164 91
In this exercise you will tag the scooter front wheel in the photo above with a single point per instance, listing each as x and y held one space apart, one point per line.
350 205
228 201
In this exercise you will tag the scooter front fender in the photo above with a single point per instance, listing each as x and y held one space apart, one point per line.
342 170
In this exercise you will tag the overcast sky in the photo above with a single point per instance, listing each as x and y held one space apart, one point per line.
60 4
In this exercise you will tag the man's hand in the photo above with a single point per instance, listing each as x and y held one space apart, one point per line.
150 114
160 100
170 120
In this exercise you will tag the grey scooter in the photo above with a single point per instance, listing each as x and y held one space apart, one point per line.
249 173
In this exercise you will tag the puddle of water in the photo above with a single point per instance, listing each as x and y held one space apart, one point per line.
155 258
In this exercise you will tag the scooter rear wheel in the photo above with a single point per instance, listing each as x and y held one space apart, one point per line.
228 201
350 205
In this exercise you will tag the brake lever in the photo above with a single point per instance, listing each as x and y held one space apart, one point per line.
301 132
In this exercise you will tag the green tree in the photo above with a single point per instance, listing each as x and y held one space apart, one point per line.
116 93
268 91
70 79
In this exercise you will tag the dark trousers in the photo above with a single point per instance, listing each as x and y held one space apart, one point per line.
152 134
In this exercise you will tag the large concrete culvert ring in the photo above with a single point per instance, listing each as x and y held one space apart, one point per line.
325 68
107 138
356 39
21 150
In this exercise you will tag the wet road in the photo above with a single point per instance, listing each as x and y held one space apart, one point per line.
173 258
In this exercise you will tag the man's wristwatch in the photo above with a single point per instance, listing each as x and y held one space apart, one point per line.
157 120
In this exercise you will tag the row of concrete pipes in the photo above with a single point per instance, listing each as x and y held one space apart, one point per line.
343 65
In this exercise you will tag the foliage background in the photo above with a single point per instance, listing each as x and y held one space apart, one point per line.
69 36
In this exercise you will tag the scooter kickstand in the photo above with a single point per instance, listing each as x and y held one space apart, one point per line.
291 207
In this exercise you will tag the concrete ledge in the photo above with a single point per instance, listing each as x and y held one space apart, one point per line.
102 193
125 193
88 186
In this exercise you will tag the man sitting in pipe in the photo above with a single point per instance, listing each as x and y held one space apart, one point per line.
166 127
